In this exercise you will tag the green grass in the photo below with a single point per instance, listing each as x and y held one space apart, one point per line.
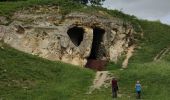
26 77
156 38
8 8
154 79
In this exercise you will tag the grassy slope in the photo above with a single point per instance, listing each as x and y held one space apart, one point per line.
154 76
156 37
46 77
25 77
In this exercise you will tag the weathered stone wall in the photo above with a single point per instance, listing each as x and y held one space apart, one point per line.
45 35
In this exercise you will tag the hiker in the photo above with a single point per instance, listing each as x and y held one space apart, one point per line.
114 87
138 89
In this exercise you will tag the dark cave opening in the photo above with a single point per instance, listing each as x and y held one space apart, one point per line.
76 35
96 44
95 61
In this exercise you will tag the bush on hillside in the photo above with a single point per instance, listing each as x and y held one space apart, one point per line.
11 0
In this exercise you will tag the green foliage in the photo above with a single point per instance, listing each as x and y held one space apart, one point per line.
23 76
156 38
93 2
7 8
11 0
154 78
26 77
96 2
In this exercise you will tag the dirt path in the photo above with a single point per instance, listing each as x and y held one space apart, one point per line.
128 56
163 52
102 79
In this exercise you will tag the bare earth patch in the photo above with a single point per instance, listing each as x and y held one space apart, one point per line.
102 79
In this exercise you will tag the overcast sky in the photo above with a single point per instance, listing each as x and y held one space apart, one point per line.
145 9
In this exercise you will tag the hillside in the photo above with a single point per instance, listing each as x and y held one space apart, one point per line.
27 77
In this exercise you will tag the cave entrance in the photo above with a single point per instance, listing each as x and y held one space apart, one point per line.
94 61
76 35
96 44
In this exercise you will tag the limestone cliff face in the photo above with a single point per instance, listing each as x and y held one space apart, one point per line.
72 38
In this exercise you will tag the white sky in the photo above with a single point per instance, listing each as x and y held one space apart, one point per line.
144 9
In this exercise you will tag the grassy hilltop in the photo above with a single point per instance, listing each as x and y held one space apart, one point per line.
27 77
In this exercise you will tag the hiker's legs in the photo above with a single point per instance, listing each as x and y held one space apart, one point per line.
138 95
116 94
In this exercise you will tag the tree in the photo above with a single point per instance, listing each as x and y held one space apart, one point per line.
96 2
93 2
10 0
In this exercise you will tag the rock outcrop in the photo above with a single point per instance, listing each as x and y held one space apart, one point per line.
71 38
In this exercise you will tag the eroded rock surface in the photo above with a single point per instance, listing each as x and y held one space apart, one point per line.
72 38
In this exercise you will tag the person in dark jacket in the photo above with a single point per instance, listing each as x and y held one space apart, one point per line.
114 88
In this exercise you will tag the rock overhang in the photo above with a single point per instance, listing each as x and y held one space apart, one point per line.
49 36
